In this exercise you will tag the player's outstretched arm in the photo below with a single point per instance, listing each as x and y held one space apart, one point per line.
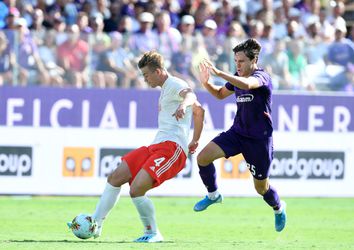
238 81
198 120
220 92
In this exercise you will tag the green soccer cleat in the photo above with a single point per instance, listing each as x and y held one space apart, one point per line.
206 202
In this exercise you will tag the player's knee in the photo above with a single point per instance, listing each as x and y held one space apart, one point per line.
113 179
110 179
135 191
202 159
261 189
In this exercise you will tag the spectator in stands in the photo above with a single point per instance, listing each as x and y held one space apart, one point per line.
31 68
13 15
221 21
111 22
125 27
173 8
48 54
297 66
182 63
60 30
341 51
202 13
277 65
6 61
169 38
37 29
144 39
100 43
83 22
338 9
118 60
208 34
72 55
235 35
326 29
187 26
279 22
340 55
315 50
299 30
70 12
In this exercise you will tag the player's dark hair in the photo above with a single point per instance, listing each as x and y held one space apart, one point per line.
251 47
152 60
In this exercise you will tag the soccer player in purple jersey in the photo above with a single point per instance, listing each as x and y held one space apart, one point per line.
251 132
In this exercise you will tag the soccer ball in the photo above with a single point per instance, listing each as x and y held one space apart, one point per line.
83 226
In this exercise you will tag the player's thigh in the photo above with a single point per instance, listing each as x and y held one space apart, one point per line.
258 155
136 159
120 175
209 153
141 183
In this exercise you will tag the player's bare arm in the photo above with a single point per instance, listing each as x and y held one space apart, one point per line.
188 99
220 92
198 120
238 81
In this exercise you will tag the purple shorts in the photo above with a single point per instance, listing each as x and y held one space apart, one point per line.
258 153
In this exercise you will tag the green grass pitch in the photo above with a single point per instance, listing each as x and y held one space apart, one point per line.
239 223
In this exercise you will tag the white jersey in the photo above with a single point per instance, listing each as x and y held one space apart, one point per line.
169 129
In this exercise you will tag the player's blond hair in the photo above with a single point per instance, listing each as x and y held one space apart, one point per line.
152 60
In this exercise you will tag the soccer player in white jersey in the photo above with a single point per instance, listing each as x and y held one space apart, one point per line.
148 167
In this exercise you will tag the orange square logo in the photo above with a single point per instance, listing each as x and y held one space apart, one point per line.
78 162
234 168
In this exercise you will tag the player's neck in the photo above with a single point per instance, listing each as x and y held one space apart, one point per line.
164 77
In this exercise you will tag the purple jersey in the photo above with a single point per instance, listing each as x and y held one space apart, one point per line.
253 117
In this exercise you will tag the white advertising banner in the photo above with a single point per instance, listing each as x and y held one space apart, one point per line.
72 161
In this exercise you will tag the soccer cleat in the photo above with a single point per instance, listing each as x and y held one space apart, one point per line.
280 218
206 202
98 232
150 238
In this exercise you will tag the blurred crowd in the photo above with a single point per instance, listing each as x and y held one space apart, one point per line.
306 44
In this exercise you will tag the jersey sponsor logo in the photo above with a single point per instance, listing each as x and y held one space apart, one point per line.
245 98
308 165
16 161
78 162
110 159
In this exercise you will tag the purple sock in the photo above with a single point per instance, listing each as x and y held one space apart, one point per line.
208 175
272 198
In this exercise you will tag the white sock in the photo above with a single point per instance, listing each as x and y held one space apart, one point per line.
280 210
109 198
213 195
146 211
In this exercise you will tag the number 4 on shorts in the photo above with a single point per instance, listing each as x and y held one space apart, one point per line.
158 161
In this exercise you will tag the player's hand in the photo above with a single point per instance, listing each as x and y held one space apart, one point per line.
192 146
180 112
211 67
204 73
